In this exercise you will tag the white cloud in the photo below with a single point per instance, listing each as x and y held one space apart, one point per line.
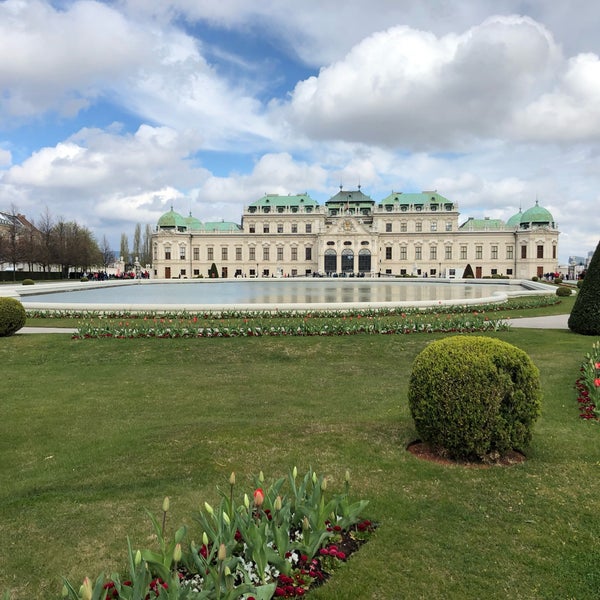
61 60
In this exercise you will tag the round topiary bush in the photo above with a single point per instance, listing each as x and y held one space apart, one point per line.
28 282
563 290
12 316
474 397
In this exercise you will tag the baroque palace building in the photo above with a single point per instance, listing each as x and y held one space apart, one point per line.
405 234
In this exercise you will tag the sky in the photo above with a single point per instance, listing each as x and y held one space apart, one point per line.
113 112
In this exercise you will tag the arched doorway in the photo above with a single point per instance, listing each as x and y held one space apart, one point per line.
330 263
364 261
347 261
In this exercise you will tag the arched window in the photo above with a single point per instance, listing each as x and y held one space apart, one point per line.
330 265
347 260
364 261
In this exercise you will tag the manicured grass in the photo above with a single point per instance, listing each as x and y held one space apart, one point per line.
94 431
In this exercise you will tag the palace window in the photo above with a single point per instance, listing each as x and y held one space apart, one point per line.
463 253
308 228
210 254
167 252
388 253
294 253
418 253
540 251
279 253
388 228
308 253
238 253
402 252
478 252
494 255
223 253
433 253
251 253
279 227
523 251
418 227
181 252
196 253
252 229
433 226
265 228
265 252
403 228
510 252
294 228
448 225
448 255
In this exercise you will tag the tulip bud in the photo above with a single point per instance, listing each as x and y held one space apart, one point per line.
166 504
305 524
277 504
227 571
65 591
232 478
261 477
246 501
226 519
138 558
205 539
347 478
259 497
222 554
177 553
295 473
324 484
209 509
314 477
86 589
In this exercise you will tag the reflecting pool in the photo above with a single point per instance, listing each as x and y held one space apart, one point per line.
269 293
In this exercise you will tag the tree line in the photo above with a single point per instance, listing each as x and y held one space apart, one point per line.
54 243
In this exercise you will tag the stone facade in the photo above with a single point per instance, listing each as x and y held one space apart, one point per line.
353 235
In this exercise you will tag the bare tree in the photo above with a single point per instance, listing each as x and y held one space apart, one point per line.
137 242
125 249
108 255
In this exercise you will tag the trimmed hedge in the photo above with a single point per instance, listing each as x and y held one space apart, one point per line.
12 316
474 397
563 290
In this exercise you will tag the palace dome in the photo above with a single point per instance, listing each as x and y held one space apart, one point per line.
536 216
172 220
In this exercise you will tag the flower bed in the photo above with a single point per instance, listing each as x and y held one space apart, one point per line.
288 538
163 327
588 385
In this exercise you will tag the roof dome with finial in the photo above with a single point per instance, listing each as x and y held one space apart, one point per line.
172 220
192 223
537 216
515 220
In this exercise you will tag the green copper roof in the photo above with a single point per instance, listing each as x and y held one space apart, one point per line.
515 220
415 198
472 224
353 197
220 227
172 219
537 215
284 201
192 223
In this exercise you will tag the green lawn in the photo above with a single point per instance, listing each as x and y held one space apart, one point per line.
92 432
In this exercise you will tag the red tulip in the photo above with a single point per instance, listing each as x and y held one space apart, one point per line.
259 497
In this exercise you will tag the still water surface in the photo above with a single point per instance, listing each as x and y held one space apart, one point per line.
276 292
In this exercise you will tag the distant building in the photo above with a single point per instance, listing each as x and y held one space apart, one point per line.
410 234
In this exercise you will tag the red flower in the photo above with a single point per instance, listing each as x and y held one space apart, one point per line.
597 382
259 497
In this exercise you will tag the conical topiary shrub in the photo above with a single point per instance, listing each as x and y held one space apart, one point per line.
585 315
